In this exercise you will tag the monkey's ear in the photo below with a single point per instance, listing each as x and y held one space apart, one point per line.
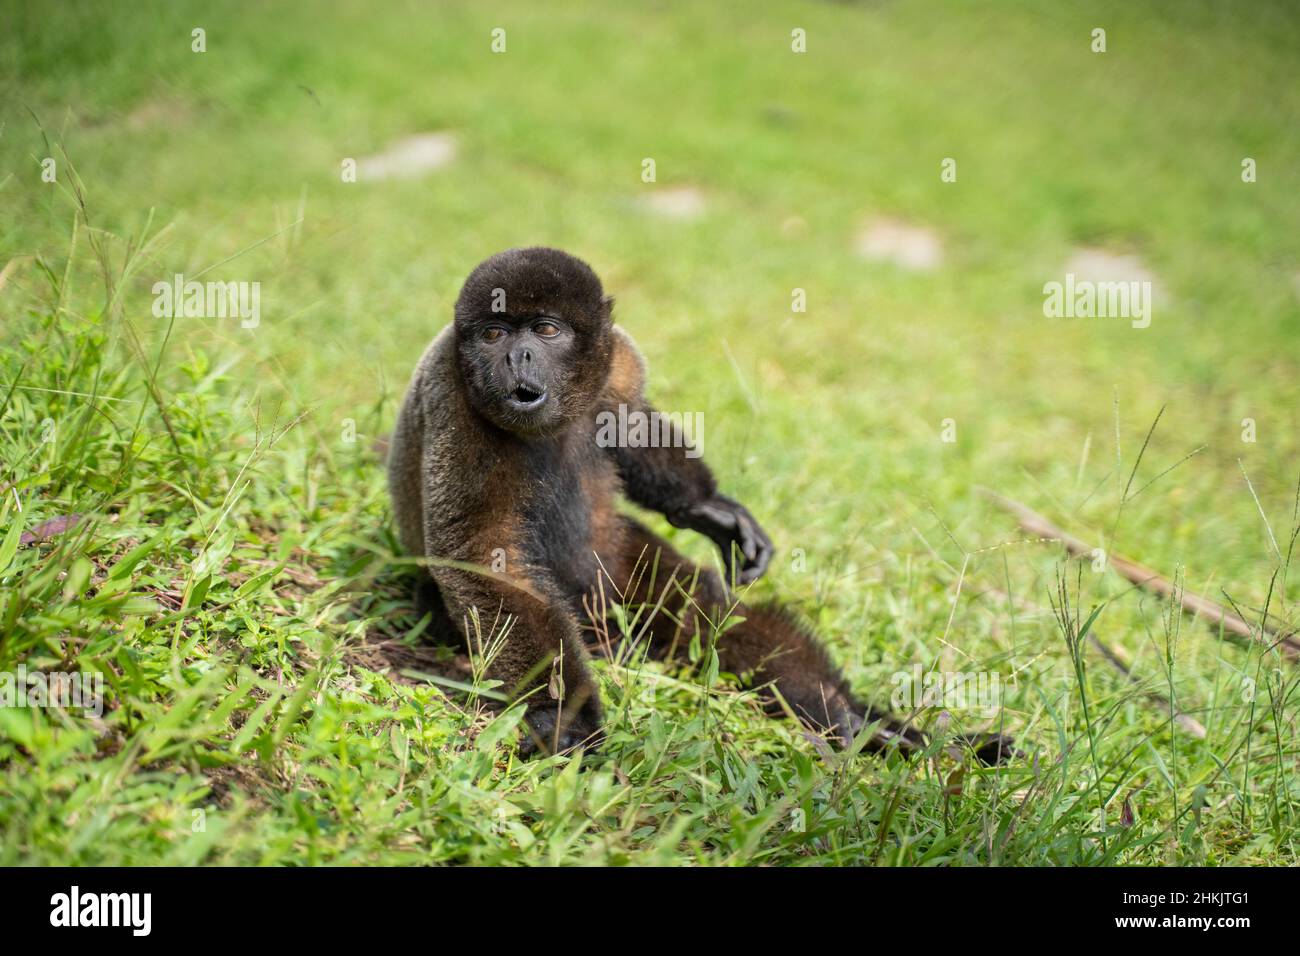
607 307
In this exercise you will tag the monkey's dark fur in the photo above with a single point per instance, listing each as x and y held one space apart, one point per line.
495 459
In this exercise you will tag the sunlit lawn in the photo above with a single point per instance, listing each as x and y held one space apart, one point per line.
233 577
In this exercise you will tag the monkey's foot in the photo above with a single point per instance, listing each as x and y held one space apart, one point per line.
540 736
993 749
989 749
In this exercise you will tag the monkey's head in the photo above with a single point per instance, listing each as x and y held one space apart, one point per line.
533 336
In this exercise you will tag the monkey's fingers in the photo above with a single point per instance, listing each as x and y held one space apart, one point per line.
711 515
746 549
755 545
735 562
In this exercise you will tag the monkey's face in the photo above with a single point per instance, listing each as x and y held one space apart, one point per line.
533 335
518 370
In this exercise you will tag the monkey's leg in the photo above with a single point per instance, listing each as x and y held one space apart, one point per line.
767 647
771 647
532 646
442 630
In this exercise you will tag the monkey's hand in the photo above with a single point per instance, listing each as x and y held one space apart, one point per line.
746 548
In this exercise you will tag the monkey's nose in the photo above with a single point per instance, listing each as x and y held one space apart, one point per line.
522 357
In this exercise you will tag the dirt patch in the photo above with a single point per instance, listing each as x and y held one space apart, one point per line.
682 203
160 113
1101 265
908 246
409 157
794 226
390 657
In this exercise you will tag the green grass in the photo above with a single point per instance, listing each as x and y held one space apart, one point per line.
234 576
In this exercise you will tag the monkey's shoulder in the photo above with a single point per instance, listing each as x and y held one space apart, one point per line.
434 380
627 371
448 426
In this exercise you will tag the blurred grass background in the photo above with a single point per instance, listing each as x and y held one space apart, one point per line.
826 423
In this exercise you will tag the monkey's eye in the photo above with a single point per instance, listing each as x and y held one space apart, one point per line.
546 329
492 334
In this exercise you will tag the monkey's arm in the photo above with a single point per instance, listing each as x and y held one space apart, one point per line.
677 484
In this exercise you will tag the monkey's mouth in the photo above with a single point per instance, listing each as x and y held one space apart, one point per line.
525 398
